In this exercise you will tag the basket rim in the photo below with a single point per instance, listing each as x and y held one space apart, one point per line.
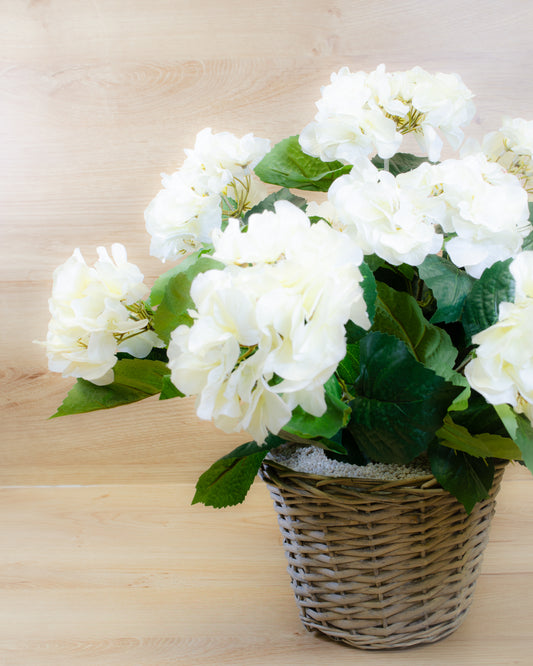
275 473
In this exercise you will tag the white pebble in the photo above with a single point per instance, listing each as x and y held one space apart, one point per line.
312 460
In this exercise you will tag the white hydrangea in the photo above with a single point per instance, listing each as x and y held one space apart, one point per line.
512 146
219 159
183 215
349 124
360 113
436 102
395 222
180 218
90 319
522 271
502 370
486 211
268 330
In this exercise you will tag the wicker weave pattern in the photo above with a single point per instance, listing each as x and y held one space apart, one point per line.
379 565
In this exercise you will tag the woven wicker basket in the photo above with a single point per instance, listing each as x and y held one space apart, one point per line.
379 565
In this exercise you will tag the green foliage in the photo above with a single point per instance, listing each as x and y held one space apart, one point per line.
528 241
228 480
173 295
287 165
160 285
348 369
398 314
399 163
468 478
400 404
334 418
281 195
450 286
519 428
369 289
483 445
135 379
495 285
168 390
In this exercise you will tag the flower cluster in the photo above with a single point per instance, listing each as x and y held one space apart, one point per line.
502 370
512 146
359 114
473 208
188 209
96 312
268 329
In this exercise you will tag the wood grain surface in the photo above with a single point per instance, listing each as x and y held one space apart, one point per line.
103 560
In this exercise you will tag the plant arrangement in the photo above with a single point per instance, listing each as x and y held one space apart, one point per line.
387 319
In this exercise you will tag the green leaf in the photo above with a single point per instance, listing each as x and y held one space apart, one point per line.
287 165
205 263
467 478
228 480
335 417
400 403
176 300
484 445
168 390
450 286
528 242
479 417
349 368
400 163
495 285
398 314
135 379
281 195
519 428
369 290
354 332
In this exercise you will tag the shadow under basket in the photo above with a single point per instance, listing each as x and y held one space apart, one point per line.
379 564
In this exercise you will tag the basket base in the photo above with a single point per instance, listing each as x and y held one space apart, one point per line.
392 642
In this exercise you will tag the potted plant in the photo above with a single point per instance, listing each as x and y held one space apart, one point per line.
385 325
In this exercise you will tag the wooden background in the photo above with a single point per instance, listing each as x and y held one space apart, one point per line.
103 560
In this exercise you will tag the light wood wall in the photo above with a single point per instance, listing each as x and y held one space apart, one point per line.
97 98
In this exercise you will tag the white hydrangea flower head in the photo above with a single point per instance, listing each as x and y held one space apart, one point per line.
396 223
185 212
522 271
487 211
349 124
502 370
360 113
268 329
90 317
180 218
512 147
446 105
218 159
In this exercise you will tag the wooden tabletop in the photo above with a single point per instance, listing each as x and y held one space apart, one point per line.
102 559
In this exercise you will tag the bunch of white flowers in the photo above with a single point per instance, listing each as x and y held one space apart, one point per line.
512 146
361 324
360 113
96 312
383 217
502 370
472 207
268 329
217 171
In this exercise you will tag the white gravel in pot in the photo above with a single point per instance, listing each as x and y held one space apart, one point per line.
312 460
